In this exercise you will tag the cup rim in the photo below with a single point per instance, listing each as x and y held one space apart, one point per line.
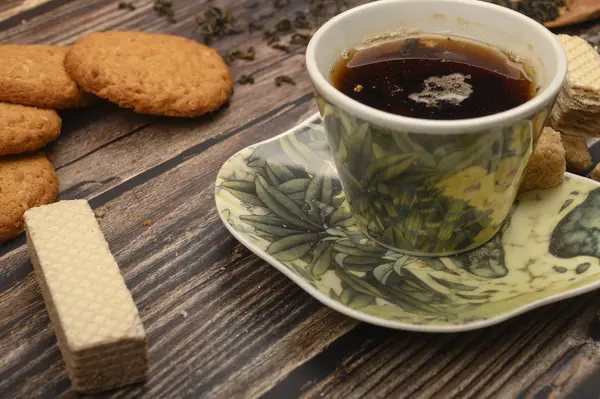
432 126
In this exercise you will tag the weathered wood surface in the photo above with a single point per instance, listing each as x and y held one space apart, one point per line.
221 322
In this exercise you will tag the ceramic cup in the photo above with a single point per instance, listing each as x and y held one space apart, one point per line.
429 187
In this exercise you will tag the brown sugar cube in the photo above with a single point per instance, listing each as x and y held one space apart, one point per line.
578 156
547 166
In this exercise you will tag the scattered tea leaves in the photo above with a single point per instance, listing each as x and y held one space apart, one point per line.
214 22
284 25
270 36
538 10
164 8
266 15
279 80
245 80
280 3
301 21
254 26
126 5
301 36
248 55
282 47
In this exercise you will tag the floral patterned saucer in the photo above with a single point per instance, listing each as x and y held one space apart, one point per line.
282 199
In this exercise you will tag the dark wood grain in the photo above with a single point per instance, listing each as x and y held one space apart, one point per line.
221 322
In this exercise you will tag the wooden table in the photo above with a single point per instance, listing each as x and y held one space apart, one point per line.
221 322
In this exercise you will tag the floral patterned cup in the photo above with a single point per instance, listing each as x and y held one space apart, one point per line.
428 187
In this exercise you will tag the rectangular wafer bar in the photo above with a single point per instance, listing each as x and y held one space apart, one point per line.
98 328
578 104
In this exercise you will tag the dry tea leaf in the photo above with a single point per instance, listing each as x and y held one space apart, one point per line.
164 8
279 80
577 11
125 5
246 80
214 22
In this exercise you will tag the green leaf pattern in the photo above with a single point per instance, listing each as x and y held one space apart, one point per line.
395 181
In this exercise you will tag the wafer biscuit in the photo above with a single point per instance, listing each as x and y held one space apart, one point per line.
578 104
98 328
582 73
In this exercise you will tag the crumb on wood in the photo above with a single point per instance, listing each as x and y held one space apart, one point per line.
184 313
358 88
107 206
100 214
170 218
138 216
237 252
24 21
77 171
99 163
147 222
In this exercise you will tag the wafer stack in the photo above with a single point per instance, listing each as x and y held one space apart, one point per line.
95 319
578 105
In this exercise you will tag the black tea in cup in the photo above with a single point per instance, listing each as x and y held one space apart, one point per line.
433 77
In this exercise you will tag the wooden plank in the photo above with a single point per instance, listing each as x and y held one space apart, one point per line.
519 358
8 8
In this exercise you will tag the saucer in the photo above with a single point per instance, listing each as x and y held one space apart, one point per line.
282 199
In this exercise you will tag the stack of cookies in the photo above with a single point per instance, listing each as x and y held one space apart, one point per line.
33 82
148 73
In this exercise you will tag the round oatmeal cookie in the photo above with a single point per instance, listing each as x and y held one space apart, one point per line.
35 75
151 73
26 181
26 129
